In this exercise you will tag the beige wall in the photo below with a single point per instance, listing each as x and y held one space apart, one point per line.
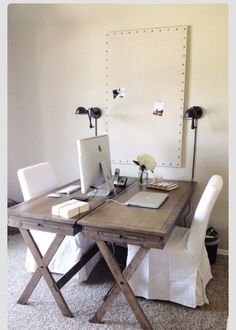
56 59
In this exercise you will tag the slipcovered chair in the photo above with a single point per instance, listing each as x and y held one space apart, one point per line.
181 271
37 180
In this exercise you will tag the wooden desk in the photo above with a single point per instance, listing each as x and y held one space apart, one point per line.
36 214
148 228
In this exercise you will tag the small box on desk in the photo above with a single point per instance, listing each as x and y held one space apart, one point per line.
70 208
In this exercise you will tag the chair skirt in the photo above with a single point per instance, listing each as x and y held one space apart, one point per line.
172 273
67 255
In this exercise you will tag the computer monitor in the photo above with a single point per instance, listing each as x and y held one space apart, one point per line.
95 165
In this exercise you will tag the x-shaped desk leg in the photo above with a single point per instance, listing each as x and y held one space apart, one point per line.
121 284
43 270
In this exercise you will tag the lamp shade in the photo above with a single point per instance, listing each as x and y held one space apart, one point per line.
81 111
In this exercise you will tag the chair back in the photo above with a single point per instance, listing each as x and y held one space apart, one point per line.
197 234
36 180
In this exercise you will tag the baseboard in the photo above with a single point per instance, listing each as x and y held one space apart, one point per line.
223 252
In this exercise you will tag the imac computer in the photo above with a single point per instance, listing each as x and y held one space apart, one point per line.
95 165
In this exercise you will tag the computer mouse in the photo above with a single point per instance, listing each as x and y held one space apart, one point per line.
53 195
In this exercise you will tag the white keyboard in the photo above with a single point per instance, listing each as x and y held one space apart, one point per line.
70 189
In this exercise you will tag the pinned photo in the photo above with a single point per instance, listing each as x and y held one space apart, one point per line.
119 93
158 108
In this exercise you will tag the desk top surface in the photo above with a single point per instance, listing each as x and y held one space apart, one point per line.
110 217
37 212
115 218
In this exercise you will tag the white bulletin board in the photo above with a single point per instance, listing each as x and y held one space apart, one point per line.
145 83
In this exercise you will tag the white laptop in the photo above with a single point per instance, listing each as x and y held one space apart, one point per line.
147 199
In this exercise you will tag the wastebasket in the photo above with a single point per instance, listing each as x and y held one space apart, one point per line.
12 230
211 243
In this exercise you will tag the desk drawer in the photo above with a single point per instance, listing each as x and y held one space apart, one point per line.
51 227
147 241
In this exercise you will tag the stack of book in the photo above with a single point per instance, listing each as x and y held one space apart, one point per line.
70 208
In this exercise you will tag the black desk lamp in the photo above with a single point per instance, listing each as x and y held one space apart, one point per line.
194 113
94 113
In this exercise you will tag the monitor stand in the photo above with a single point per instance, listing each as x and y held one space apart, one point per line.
106 188
102 190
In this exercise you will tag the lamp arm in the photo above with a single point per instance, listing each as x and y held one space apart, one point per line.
95 113
193 123
90 121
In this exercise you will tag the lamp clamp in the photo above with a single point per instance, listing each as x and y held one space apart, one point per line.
194 112
95 113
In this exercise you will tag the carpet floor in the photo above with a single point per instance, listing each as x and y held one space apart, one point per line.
41 312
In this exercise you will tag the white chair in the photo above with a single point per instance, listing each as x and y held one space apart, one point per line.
181 271
37 180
